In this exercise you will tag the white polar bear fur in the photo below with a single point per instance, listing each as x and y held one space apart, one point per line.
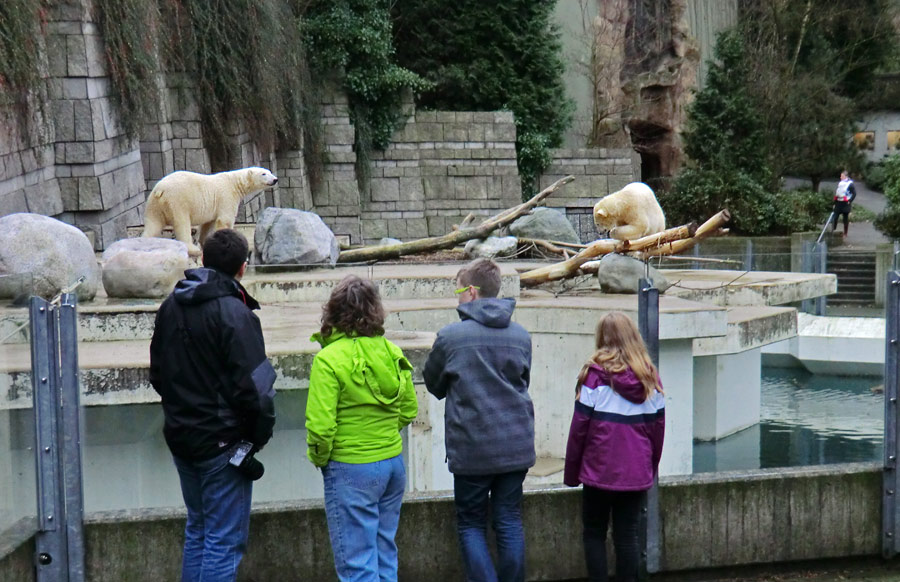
630 213
209 201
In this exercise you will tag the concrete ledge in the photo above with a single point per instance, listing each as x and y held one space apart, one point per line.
748 288
708 521
842 346
748 328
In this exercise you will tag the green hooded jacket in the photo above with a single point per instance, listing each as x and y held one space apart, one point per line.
360 395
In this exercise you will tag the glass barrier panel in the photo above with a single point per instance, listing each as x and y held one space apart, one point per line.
803 411
18 488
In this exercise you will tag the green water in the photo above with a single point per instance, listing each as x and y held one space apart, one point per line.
805 420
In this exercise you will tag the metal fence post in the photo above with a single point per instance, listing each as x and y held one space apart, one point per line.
820 265
59 542
891 481
748 255
50 541
648 324
70 436
806 306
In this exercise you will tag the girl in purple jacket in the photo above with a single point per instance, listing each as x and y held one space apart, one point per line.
615 443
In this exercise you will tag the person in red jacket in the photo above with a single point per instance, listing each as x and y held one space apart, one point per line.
615 443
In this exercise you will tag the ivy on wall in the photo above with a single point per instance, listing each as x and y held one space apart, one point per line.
21 32
130 30
353 39
485 56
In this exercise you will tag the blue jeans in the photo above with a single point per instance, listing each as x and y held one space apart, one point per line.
473 494
362 504
217 497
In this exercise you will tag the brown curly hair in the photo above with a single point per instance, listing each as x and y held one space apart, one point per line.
353 308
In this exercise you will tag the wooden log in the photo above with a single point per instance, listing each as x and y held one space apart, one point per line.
712 227
569 267
451 239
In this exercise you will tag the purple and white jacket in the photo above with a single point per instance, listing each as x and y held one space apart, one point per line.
616 437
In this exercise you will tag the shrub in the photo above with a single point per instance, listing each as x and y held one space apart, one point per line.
874 175
487 56
888 222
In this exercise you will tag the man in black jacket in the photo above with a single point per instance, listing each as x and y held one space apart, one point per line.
208 363
482 366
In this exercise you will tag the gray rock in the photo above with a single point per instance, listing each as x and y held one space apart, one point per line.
287 236
143 267
389 241
547 224
42 256
620 274
491 247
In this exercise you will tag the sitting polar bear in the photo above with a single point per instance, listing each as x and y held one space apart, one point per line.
210 201
630 213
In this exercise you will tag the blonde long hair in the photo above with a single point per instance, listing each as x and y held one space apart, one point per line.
619 347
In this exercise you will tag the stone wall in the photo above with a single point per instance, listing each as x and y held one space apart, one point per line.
598 172
440 167
724 520
73 161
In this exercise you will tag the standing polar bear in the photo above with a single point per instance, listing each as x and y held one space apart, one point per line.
210 201
630 213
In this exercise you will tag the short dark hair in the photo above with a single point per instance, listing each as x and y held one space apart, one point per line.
482 273
225 250
353 308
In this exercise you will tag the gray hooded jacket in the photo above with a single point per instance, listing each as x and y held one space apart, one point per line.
482 365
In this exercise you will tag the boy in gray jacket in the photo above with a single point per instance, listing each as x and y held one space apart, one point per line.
482 365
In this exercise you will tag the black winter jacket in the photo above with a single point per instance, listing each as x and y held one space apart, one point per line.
208 363
482 365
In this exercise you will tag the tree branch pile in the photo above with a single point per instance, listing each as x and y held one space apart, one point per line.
452 239
668 242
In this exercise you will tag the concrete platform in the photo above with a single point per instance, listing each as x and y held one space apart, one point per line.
841 346
419 299
748 288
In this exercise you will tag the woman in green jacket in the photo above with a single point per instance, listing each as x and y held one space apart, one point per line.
360 396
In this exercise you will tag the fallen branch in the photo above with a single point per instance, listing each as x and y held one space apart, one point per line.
569 268
451 239
711 227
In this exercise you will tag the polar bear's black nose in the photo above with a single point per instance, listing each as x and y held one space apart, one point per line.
274 181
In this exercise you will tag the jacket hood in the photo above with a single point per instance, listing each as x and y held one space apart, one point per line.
488 311
625 383
202 284
372 363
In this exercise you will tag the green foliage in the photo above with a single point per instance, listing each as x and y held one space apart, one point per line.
239 54
353 37
130 29
724 129
888 222
724 140
21 33
891 166
487 56
874 175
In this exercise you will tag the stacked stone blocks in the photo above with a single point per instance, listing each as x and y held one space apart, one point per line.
598 172
440 167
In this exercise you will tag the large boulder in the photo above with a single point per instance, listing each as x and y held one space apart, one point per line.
143 267
287 236
52 254
491 247
620 274
546 224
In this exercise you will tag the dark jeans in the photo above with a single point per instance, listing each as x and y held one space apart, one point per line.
841 209
217 497
473 494
625 507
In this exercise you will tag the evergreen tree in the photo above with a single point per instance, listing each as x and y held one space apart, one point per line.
485 56
724 140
